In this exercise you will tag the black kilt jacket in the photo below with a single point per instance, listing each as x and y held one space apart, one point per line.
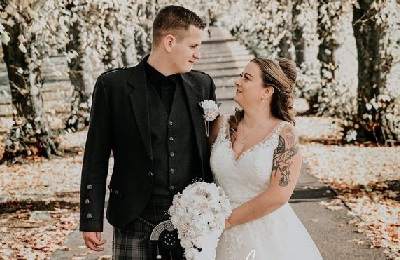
119 123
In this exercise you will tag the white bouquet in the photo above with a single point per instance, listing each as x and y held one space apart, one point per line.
199 213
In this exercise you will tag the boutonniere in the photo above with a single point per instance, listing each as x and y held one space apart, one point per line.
210 113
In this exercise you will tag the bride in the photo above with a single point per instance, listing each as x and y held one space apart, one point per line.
256 159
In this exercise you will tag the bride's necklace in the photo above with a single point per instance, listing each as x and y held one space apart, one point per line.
243 140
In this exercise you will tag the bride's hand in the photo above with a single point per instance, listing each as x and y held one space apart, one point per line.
227 224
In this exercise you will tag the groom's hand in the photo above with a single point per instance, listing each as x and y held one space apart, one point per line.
93 240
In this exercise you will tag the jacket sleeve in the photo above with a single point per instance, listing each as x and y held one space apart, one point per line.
212 91
95 161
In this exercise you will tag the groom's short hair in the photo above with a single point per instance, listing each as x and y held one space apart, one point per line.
174 20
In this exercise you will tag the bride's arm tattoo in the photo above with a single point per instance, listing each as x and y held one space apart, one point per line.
287 148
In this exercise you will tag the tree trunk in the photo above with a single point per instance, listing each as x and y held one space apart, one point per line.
113 58
297 38
129 52
372 69
284 46
129 55
151 9
326 50
30 134
143 31
112 39
79 117
328 18
286 29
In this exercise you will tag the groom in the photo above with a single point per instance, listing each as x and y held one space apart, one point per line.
149 117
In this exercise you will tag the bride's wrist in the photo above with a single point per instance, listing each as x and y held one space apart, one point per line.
227 224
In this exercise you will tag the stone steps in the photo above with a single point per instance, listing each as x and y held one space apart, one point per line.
61 85
232 73
230 46
51 107
221 65
223 59
3 68
51 77
224 82
5 110
227 106
4 78
56 107
225 93
48 90
222 51
5 97
218 34
56 92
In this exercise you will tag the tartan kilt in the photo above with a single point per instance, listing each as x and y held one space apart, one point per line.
133 242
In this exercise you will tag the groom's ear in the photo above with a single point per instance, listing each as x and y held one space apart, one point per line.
169 42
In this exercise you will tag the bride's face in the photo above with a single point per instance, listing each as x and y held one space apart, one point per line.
249 86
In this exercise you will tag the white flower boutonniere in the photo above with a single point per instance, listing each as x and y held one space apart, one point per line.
211 112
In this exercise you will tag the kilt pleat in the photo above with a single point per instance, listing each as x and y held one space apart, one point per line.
133 242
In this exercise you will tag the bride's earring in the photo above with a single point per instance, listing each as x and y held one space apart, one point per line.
263 99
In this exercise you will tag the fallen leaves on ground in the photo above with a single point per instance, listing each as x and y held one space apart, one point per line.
30 231
25 238
41 180
318 128
367 180
40 203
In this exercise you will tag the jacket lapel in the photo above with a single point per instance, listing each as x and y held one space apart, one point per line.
194 98
139 103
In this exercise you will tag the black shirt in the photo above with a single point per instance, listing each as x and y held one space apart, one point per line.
164 86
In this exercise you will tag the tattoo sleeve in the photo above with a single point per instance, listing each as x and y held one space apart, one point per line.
287 148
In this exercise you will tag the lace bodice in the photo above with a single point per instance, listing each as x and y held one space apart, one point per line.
249 175
242 180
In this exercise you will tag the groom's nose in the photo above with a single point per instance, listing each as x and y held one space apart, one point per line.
236 82
197 54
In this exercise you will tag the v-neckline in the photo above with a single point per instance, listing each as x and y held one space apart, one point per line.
242 154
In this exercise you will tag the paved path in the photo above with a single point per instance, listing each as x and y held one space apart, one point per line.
328 228
223 58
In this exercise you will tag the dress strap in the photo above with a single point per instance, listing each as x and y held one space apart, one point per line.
224 128
280 126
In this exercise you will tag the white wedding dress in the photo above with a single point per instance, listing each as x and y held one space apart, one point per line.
277 236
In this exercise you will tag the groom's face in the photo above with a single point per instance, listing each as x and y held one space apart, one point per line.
186 50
